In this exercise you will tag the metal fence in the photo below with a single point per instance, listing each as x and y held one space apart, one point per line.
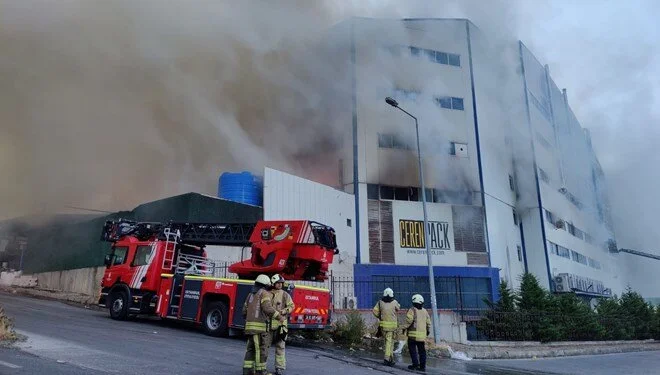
543 326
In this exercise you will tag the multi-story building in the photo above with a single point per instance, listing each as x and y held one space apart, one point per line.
512 182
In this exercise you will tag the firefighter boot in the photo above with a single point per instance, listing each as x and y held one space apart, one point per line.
279 371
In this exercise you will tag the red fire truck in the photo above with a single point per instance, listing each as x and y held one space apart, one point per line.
162 269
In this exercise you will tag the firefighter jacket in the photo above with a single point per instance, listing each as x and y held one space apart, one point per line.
283 303
386 311
258 310
418 322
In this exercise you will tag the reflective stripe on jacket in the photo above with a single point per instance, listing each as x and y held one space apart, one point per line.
258 310
283 303
386 314
419 323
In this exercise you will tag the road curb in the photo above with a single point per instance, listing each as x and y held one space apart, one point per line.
568 350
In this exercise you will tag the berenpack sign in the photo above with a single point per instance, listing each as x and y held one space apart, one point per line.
412 236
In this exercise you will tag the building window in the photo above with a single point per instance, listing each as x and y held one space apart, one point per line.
577 257
458 149
454 60
515 217
543 141
372 191
393 141
559 250
442 58
511 184
387 192
520 258
405 95
349 223
450 102
549 217
438 57
444 102
544 176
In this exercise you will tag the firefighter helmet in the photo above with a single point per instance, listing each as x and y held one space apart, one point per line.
276 279
263 280
417 298
388 292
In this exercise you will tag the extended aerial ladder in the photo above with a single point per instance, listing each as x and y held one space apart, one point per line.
296 249
611 244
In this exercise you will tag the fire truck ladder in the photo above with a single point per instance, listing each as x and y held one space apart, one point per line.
194 265
201 234
171 239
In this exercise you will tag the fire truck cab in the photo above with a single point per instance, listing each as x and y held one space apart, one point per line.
163 270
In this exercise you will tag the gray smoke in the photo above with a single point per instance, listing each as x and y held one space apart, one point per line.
109 104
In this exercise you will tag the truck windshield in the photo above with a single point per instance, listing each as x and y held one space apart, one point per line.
142 255
119 255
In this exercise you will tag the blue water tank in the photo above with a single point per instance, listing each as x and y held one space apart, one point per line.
241 187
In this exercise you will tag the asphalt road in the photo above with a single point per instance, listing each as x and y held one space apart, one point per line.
64 339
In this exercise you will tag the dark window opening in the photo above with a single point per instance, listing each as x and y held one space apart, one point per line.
387 192
372 191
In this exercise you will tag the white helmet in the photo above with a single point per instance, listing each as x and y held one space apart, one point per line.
417 298
388 292
263 280
276 279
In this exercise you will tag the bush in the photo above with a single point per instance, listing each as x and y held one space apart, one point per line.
534 314
6 327
350 329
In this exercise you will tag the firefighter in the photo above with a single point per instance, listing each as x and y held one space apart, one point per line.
258 311
418 322
386 311
283 303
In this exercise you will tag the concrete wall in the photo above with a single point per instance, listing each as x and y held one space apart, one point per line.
82 280
15 278
85 281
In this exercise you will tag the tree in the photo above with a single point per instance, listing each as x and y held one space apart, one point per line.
532 297
533 302
638 314
575 320
612 320
500 320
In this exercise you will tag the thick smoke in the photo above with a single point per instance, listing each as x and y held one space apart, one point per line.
611 70
108 104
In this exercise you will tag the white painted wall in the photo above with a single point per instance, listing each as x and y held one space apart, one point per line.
290 197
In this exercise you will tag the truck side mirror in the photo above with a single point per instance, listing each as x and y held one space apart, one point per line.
108 260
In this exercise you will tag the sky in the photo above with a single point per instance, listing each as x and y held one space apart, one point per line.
205 86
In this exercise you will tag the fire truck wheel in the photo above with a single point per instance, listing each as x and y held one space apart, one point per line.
118 305
214 319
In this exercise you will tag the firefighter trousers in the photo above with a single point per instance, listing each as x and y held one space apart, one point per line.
280 355
256 354
389 346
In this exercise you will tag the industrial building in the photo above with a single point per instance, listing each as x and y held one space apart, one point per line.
512 181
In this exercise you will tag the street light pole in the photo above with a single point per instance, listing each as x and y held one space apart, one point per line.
434 304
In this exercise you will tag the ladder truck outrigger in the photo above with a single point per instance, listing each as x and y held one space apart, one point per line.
162 269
